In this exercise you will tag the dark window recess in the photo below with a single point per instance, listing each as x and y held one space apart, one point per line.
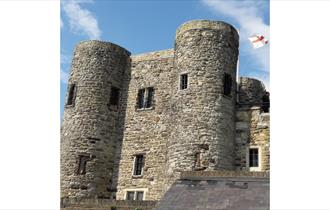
150 97
145 98
138 165
130 195
114 96
198 160
265 103
72 94
227 84
139 195
82 164
140 100
253 157
183 81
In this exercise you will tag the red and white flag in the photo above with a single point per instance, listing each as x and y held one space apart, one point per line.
258 41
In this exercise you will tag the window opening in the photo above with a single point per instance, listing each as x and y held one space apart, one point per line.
183 81
82 164
227 84
114 96
139 195
150 97
253 157
72 93
145 98
130 195
138 165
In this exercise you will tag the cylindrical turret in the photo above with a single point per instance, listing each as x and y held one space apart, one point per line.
251 91
203 133
91 124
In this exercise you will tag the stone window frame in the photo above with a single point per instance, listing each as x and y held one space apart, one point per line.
248 158
74 95
179 83
143 164
146 98
135 190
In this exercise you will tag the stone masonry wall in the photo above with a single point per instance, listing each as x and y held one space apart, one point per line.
147 130
203 118
179 125
90 127
252 125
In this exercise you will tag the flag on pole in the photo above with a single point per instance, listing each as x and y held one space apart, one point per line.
258 41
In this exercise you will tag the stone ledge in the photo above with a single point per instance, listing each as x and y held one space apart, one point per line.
223 173
169 53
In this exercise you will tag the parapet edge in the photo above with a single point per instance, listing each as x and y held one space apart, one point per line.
224 173
210 24
169 53
98 43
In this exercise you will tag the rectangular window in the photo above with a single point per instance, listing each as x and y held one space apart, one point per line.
130 195
183 81
134 195
82 164
227 84
138 165
254 157
139 195
72 94
114 96
145 98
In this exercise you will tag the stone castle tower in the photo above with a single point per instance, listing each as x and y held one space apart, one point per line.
132 124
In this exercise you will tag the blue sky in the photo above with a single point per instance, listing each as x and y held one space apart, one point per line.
144 26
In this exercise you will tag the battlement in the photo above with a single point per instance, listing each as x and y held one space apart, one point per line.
163 54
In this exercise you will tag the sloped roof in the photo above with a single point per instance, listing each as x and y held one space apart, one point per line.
239 191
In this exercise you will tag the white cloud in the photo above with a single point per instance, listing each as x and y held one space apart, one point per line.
248 14
81 20
64 76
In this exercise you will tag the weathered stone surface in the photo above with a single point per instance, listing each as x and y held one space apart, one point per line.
196 129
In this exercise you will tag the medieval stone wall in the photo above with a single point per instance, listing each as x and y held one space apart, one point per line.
90 128
182 127
203 125
147 130
252 125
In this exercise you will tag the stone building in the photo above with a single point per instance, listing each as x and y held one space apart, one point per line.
133 123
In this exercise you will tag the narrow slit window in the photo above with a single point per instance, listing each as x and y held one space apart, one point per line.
227 84
254 157
114 96
138 165
82 164
183 81
150 97
72 94
140 100
198 160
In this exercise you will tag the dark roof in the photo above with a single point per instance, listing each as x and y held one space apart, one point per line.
239 192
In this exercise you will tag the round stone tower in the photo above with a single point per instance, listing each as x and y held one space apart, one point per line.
91 122
203 131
